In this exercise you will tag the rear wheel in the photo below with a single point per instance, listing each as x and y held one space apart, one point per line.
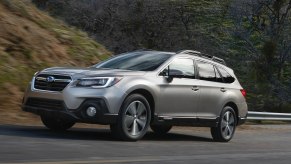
134 118
161 129
57 123
226 126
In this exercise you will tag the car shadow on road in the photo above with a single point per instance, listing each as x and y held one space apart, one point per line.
89 134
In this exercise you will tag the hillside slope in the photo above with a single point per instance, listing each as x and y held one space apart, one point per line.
31 40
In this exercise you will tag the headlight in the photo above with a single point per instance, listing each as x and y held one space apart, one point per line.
98 82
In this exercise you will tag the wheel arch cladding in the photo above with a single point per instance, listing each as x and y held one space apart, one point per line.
234 107
148 96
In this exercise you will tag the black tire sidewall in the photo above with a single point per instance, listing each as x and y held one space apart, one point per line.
56 123
216 132
161 128
226 109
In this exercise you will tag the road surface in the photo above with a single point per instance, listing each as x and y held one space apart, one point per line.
36 145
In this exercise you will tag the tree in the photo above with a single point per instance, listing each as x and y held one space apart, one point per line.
254 31
263 30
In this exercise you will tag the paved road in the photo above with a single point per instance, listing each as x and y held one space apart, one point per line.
37 145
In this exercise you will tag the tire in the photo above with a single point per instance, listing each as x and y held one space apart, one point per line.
226 126
57 123
161 129
133 119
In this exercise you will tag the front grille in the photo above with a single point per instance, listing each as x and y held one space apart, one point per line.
58 83
45 103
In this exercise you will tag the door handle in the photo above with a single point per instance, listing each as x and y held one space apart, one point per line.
195 88
222 89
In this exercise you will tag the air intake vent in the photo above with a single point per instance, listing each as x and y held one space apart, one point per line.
46 103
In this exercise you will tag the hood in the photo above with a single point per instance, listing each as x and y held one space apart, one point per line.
90 72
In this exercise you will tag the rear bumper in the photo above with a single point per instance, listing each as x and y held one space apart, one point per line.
241 120
78 115
242 113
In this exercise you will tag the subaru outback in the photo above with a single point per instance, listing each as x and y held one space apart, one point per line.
137 90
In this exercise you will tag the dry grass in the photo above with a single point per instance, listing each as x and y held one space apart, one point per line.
31 40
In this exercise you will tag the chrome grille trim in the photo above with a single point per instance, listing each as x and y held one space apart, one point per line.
60 82
56 80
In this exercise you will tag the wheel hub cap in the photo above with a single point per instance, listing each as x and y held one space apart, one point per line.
227 125
135 118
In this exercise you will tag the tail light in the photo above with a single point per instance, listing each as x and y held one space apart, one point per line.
243 92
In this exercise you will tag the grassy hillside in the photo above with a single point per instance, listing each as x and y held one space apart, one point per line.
31 40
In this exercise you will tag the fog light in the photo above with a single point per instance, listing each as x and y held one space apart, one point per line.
91 111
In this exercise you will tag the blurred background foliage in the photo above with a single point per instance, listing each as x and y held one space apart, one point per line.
31 40
254 36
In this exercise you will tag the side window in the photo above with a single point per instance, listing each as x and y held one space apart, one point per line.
206 71
218 77
227 78
183 68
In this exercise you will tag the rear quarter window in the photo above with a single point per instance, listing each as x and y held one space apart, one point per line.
227 78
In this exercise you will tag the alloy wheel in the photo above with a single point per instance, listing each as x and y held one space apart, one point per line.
135 118
227 125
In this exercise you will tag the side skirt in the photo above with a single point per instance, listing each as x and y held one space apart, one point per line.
186 121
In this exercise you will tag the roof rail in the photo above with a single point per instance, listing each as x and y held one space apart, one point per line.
197 53
143 49
188 52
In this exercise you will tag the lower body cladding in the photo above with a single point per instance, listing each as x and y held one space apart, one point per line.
92 110
192 121
95 110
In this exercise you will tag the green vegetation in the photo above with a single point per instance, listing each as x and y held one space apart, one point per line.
32 40
253 36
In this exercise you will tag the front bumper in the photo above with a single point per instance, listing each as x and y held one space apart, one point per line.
72 102
57 108
73 97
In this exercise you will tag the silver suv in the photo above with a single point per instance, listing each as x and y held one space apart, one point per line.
137 90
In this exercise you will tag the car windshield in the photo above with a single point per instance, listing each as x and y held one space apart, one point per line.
136 61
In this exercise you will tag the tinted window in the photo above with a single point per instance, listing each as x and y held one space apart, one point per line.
137 61
218 76
183 68
206 71
227 78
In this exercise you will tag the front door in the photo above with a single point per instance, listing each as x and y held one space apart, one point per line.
179 97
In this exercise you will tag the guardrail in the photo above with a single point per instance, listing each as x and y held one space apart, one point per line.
269 116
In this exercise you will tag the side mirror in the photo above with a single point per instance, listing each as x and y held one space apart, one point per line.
166 73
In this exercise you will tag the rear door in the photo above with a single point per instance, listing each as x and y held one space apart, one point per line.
211 90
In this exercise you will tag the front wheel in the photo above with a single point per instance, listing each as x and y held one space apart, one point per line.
57 123
134 118
226 126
